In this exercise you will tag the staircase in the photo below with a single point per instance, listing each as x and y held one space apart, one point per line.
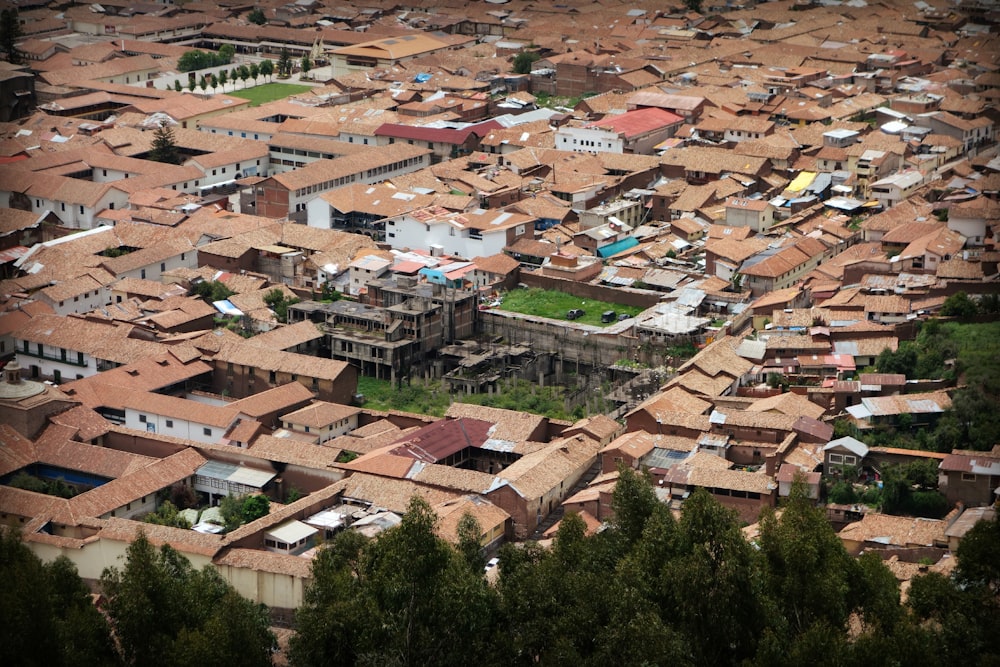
555 515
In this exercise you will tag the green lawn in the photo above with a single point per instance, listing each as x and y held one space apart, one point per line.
268 92
555 305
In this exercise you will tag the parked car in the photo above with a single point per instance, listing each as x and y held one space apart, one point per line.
608 316
490 564
623 317
575 314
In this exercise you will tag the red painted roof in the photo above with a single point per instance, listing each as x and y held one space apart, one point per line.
639 121
443 438
442 135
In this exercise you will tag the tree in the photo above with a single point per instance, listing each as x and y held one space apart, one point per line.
191 84
807 571
10 35
279 303
524 60
254 72
959 305
254 507
267 68
256 16
226 54
470 542
203 83
211 290
693 5
214 82
177 85
164 147
163 611
306 64
284 64
244 73
231 509
379 602
223 79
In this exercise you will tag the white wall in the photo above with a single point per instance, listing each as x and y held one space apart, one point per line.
586 140
178 428
49 360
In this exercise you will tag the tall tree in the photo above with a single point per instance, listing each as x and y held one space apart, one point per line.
306 64
267 68
10 35
284 64
164 148
807 571
244 73
254 72
163 611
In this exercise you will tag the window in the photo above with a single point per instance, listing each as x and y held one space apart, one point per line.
849 460
142 273
142 419
170 423
968 477
836 458
207 431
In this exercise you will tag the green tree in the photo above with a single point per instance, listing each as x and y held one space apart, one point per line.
223 79
167 514
634 503
306 64
177 85
231 509
27 618
470 545
254 72
806 569
279 303
211 290
524 60
959 305
267 68
284 64
254 507
244 73
10 34
380 602
693 5
203 83
163 611
214 82
226 54
191 84
164 147
81 631
256 16
193 60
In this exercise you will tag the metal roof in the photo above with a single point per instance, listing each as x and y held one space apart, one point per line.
291 532
235 474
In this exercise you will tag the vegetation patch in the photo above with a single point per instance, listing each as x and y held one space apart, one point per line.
268 92
556 305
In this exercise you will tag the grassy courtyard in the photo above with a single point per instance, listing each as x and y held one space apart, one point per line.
268 92
555 305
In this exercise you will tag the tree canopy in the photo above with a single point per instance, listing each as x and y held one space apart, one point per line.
164 147
165 612
195 59
649 589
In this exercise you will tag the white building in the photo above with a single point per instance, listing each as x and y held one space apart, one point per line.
477 233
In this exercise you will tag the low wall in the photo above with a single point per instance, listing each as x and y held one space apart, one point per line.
626 297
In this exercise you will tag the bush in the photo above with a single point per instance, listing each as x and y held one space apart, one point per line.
843 493
931 504
195 59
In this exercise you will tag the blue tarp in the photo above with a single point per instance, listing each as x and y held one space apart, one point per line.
617 247
422 78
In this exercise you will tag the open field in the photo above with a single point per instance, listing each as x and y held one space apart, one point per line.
555 305
268 92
